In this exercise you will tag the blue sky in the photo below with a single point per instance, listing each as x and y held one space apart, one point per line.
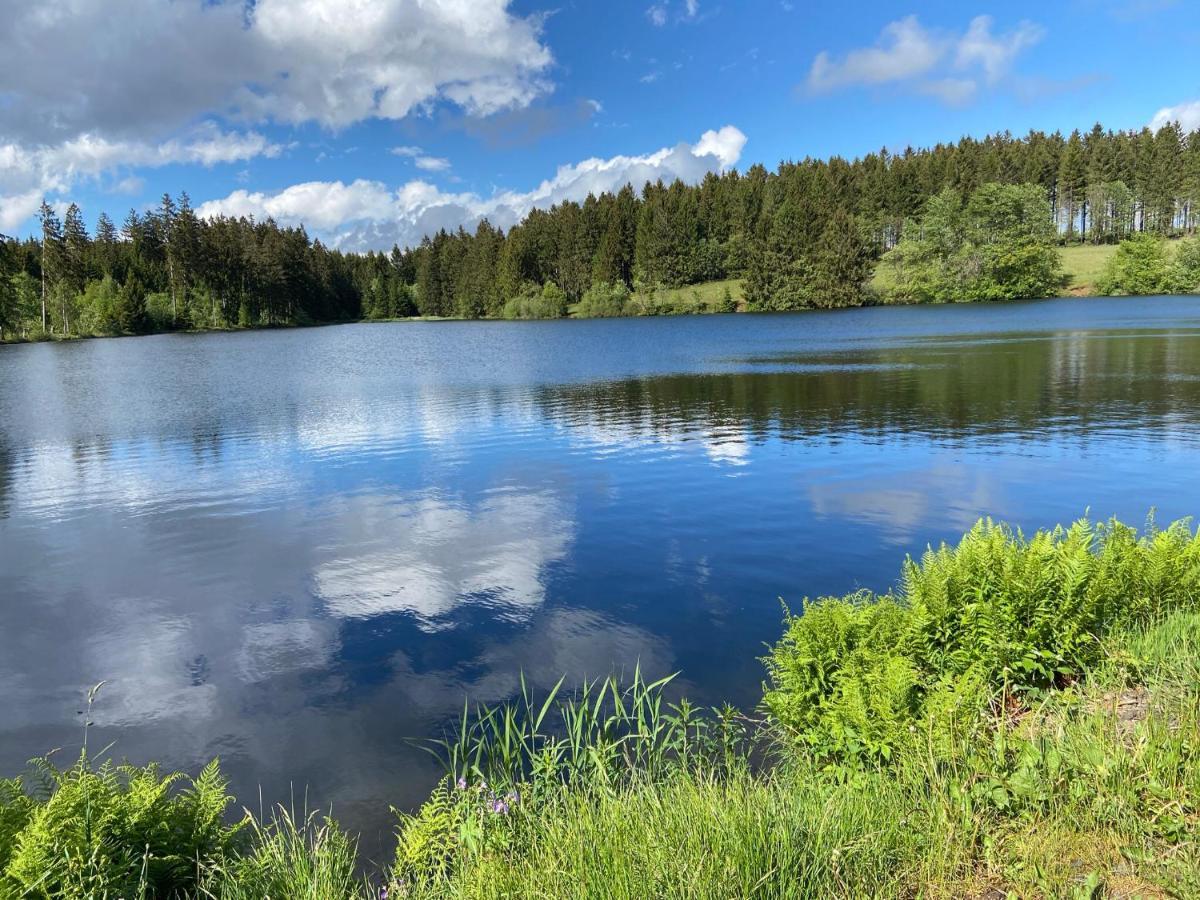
373 122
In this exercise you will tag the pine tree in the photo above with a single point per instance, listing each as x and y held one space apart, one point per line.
1072 181
106 244
166 228
52 255
841 263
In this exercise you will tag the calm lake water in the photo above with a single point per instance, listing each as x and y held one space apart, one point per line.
296 549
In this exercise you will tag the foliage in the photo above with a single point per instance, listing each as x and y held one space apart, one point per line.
1063 800
605 732
1185 268
603 301
804 235
1140 266
999 245
548 302
111 831
101 307
998 611
305 858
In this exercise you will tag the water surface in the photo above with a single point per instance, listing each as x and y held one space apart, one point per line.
295 549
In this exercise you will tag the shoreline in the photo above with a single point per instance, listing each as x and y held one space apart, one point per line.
903 747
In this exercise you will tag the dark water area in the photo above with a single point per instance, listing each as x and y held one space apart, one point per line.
296 549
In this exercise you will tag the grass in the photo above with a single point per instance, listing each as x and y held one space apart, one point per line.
1083 265
1033 706
1062 800
709 297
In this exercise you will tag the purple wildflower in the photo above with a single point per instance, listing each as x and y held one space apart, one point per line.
462 784
499 807
383 893
513 797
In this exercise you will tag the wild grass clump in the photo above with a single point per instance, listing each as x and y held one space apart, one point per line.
295 857
998 612
605 732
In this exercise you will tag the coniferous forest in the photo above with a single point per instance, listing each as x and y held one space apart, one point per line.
979 219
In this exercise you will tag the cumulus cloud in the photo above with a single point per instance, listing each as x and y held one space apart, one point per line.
1186 114
318 204
905 49
415 563
26 175
334 62
994 53
131 77
909 53
366 214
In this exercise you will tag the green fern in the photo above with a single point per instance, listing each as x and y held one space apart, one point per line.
998 611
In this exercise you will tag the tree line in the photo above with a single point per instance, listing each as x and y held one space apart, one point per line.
806 235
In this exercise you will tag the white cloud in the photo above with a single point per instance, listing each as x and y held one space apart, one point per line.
28 174
951 91
334 62
907 52
1186 114
905 49
132 184
319 204
369 215
432 163
660 13
413 562
422 160
726 144
994 53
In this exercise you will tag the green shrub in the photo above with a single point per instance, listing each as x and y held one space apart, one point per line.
603 301
1138 267
998 245
159 314
547 303
1185 270
998 610
100 308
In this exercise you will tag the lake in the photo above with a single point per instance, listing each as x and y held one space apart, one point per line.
297 549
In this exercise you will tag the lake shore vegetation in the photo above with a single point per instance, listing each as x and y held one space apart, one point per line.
973 220
1017 717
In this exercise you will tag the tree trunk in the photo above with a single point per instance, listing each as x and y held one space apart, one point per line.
43 284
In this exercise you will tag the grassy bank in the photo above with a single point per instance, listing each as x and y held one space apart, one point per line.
1083 267
1019 717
